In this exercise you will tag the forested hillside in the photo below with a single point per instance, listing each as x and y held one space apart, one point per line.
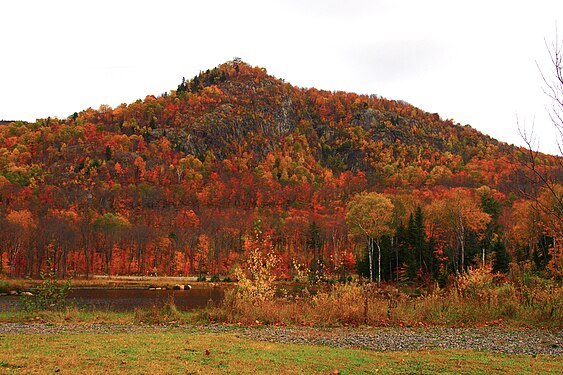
233 159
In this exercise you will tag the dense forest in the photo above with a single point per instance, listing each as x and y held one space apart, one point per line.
187 183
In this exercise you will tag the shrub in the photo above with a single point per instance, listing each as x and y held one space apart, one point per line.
343 303
478 297
256 281
4 286
50 294
7 286
476 284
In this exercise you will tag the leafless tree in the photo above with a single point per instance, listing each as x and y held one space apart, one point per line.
544 173
553 85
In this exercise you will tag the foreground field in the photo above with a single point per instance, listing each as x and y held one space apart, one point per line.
136 349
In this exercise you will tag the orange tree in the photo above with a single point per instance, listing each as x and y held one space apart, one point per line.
370 216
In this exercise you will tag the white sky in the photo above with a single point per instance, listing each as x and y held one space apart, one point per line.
472 61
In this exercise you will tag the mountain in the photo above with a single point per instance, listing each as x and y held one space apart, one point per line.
236 111
230 148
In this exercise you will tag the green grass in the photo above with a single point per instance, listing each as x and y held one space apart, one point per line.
69 315
150 315
181 352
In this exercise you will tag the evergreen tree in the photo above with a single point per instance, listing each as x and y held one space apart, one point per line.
540 253
501 261
194 85
492 207
417 257
315 245
182 87
108 153
362 264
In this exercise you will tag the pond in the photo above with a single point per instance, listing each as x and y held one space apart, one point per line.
130 299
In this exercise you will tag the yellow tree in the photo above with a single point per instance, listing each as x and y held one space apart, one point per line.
457 213
370 216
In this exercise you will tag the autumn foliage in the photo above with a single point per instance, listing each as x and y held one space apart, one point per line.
177 184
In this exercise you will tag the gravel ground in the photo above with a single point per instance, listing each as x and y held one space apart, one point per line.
395 339
502 340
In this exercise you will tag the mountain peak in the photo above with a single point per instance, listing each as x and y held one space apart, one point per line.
230 70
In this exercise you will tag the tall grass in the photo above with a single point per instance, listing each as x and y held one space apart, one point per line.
477 298
159 314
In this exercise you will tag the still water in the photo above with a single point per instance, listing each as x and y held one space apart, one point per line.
130 299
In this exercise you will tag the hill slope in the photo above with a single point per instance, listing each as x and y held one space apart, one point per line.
238 111
191 172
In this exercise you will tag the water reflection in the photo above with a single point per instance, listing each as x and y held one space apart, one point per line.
130 299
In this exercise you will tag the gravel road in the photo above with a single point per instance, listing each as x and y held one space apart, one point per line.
502 340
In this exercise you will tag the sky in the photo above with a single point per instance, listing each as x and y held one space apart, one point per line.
475 62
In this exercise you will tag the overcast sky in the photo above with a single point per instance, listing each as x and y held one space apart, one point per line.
472 61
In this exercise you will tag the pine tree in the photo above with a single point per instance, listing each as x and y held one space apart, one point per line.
417 256
315 244
182 87
501 261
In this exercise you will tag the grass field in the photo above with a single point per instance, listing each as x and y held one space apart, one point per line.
181 352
